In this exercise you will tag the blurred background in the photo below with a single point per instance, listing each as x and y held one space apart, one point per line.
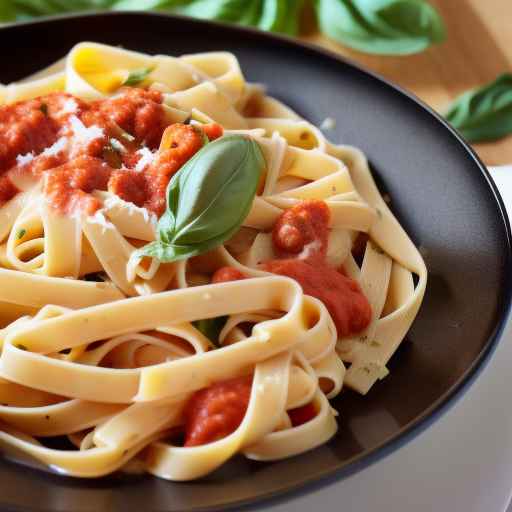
477 48
454 54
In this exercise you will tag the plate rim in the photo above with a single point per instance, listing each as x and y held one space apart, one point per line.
441 405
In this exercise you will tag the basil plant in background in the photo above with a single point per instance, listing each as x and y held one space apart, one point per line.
484 114
385 27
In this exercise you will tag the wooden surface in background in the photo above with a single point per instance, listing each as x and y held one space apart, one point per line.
478 47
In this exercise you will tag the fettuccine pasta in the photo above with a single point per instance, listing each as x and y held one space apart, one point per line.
153 318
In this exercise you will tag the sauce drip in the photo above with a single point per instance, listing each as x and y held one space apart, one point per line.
216 411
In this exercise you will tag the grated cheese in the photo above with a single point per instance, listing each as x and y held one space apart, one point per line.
58 146
22 160
70 106
84 135
146 158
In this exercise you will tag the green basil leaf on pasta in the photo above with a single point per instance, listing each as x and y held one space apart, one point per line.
484 114
385 27
137 76
211 328
208 199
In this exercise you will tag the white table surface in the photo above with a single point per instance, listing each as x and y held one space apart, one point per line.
461 463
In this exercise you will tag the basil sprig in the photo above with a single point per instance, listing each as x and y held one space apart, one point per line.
392 27
486 113
211 328
137 76
208 199
386 27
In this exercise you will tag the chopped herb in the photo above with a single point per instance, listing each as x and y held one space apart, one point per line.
21 233
117 146
379 213
137 76
126 136
375 344
21 347
363 339
211 328
111 156
44 108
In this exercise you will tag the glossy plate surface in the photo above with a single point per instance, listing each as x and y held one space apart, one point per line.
439 191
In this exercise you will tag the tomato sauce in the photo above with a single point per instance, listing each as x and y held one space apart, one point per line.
25 127
342 296
300 238
69 186
68 142
7 189
302 229
217 411
301 415
225 274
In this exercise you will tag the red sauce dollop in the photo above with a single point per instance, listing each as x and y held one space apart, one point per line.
133 119
69 186
7 189
306 226
342 296
26 127
217 411
225 274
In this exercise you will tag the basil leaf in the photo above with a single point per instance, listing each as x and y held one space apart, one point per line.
211 328
137 76
221 171
7 11
23 9
235 11
281 16
208 199
484 114
270 15
386 27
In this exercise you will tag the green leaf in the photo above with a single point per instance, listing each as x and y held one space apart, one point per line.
281 16
385 27
208 199
270 15
211 328
31 8
484 114
234 11
21 233
7 11
137 76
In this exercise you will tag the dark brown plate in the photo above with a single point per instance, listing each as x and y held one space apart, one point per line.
441 193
